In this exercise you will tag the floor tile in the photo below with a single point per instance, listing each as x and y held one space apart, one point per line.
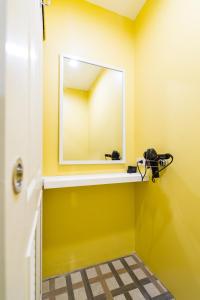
139 273
105 269
136 294
117 264
76 277
120 297
60 282
62 297
120 279
91 273
97 289
45 286
151 289
112 283
80 294
130 260
126 278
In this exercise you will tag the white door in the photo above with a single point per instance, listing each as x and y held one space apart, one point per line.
20 137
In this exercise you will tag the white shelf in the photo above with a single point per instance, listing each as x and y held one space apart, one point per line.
55 182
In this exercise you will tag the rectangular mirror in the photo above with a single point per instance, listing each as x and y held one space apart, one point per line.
92 113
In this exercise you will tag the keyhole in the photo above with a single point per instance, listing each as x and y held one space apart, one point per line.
18 173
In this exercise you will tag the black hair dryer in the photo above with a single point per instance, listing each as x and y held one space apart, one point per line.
114 156
157 162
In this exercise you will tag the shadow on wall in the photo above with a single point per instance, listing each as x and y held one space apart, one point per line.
167 235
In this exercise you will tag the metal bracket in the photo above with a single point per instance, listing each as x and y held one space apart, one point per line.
46 2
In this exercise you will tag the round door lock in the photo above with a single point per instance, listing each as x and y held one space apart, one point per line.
18 173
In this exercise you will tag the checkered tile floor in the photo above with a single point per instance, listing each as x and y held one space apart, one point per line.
120 279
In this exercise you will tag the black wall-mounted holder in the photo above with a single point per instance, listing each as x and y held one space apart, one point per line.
156 162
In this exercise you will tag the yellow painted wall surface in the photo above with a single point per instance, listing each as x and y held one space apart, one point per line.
105 114
78 28
81 29
88 225
168 118
75 124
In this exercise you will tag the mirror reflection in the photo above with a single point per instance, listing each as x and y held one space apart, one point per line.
91 112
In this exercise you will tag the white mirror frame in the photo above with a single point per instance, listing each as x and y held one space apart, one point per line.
61 133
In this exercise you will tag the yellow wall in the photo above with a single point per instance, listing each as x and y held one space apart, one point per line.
81 29
105 114
83 225
87 225
75 124
78 28
167 118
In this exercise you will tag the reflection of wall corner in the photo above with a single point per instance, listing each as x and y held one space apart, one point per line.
92 111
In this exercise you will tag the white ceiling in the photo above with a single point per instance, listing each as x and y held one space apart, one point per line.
79 75
127 8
